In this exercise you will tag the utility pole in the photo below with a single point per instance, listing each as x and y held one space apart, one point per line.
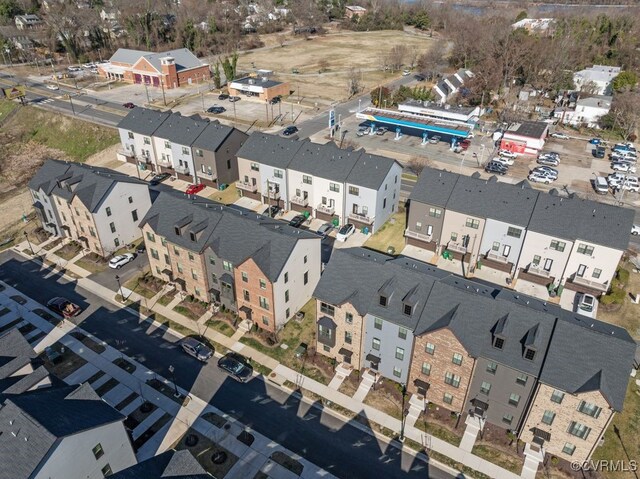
54 73
73 110
164 99
235 118
202 97
266 105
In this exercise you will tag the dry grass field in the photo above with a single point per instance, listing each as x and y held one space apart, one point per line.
336 53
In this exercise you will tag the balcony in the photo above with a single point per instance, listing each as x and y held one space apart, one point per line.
589 284
497 257
300 201
538 271
182 170
246 186
419 236
273 195
327 210
126 153
457 248
361 218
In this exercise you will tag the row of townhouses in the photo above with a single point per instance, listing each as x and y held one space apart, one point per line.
533 236
337 185
261 268
190 147
553 377
98 207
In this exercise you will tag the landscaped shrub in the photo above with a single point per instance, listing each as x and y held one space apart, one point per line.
623 275
615 296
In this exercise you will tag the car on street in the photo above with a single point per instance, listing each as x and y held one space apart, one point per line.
297 221
195 348
119 261
275 100
194 189
503 160
129 105
345 231
497 168
51 86
159 178
216 109
635 230
548 161
64 307
595 141
559 135
540 178
624 156
325 229
623 166
419 77
234 99
290 130
546 170
507 154
236 366
223 96
586 305
74 69
434 139
465 144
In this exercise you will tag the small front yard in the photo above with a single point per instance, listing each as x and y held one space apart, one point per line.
387 397
93 263
192 308
227 197
215 459
145 284
53 244
440 423
220 324
69 251
166 298
390 234
617 308
501 448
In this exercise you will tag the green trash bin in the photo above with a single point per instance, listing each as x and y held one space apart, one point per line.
306 214
335 222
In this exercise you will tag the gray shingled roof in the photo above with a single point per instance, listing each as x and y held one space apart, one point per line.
43 416
212 137
529 129
326 161
15 352
257 82
493 199
232 235
89 183
434 187
578 219
184 59
182 130
143 121
170 464
370 170
270 150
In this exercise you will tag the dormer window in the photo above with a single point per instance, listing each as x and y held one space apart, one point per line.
177 230
530 354
192 235
498 342
408 309
383 300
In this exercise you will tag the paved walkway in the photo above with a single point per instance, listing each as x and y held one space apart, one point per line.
282 373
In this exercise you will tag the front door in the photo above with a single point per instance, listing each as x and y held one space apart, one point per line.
374 365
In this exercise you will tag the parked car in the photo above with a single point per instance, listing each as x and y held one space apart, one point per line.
236 366
540 178
406 73
497 168
616 179
362 131
635 230
623 147
600 185
595 141
344 232
216 109
290 130
503 160
624 156
548 161
598 152
275 100
73 69
195 348
630 184
157 179
586 305
51 86
297 221
324 230
64 307
234 99
382 130
419 77
465 144
129 105
223 96
434 139
119 261
507 154
559 135
623 166
194 189
552 172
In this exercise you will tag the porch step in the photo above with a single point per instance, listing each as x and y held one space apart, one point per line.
245 325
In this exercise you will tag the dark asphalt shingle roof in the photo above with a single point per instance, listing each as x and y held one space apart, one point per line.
212 136
371 170
579 219
143 121
15 352
89 183
271 150
233 236
257 82
170 464
184 59
326 161
180 129
434 187
529 129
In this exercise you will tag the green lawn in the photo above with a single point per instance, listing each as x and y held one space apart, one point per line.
92 263
499 458
6 107
221 326
390 234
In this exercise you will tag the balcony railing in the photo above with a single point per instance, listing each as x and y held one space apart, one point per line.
241 185
274 195
299 200
538 271
361 218
127 153
419 236
327 210
590 284
498 257
457 248
182 169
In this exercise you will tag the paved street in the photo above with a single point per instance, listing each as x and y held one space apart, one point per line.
332 444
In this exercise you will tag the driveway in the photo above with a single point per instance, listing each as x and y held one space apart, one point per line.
107 278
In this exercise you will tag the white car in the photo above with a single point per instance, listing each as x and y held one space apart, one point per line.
630 184
508 154
120 260
503 160
406 73
540 178
635 230
561 136
587 305
345 231
615 179
546 171
620 166
51 86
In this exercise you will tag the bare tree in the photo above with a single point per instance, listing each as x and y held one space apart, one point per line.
354 82
282 40
396 57
625 111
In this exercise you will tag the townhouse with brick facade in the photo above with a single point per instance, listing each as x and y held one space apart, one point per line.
506 358
97 207
337 185
136 132
260 268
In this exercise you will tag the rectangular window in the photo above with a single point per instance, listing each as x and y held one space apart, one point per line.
354 191
305 278
92 231
495 246
568 449
130 135
589 409
214 278
382 301
578 430
212 261
498 343
263 284
287 313
535 262
492 367
277 173
176 251
402 332
154 254
408 309
375 344
151 237
454 237
265 320
514 232
429 348
377 323
190 255
167 145
130 200
245 277
116 241
286 278
457 359
557 396
347 337
548 417
514 399
245 295
485 388
585 249
529 354
106 471
179 268
327 309
335 187
97 451
399 354
426 369
227 266
522 379
435 212
305 259
112 226
596 273
199 154
306 179
194 275
264 303
507 419
197 291
447 398
397 372
558 245
108 211
163 241
255 167
472 223
348 318
185 150
166 259
452 379
286 296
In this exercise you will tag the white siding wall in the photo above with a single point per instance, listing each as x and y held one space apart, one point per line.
267 173
539 244
496 231
390 190
158 144
138 144
177 156
603 258
294 179
321 188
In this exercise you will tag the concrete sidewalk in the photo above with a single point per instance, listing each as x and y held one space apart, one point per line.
353 404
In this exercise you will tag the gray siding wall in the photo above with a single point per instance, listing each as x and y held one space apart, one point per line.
496 231
389 341
503 384
228 300
217 160
419 213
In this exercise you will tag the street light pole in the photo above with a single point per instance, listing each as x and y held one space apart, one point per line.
26 236
173 377
120 287
404 393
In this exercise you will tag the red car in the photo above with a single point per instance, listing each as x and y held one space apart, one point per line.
193 189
